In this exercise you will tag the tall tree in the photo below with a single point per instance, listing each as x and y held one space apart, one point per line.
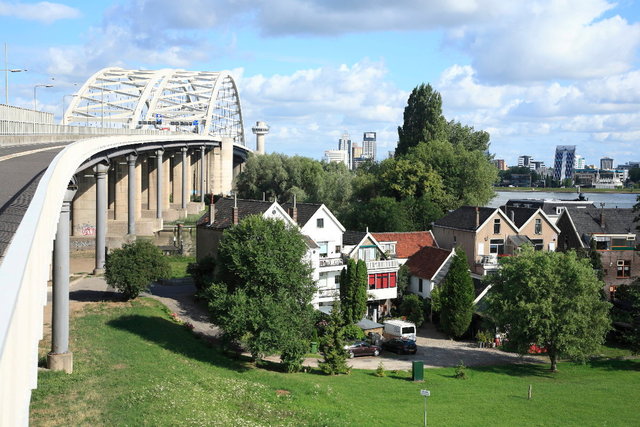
332 344
456 297
467 137
263 286
353 291
551 299
423 119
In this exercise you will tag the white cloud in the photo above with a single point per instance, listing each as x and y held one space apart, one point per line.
44 11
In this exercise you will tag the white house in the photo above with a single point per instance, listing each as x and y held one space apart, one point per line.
428 267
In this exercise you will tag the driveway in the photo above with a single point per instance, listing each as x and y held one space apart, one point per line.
434 349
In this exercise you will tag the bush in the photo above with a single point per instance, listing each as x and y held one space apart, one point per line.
461 371
353 333
380 372
293 355
133 267
202 272
412 307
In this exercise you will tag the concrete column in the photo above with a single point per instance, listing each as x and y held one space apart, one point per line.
159 181
166 183
139 189
132 189
100 171
183 189
60 358
226 165
120 190
202 175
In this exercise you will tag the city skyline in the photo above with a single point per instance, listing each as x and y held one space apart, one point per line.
532 75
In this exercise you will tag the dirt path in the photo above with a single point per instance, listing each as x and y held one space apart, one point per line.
434 350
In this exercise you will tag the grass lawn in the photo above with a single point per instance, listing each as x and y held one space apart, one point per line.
134 366
178 264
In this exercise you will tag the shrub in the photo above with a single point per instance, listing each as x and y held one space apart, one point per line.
461 371
133 267
292 355
353 332
380 372
202 272
412 307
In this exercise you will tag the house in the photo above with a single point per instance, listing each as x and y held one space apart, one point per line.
485 234
318 223
428 267
551 207
403 245
225 212
381 268
615 236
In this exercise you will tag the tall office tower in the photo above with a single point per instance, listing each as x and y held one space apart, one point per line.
344 144
606 163
563 162
369 145
525 161
579 162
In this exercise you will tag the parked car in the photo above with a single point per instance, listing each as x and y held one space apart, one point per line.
400 346
362 348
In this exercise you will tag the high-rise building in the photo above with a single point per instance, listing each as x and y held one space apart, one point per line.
536 165
579 162
369 145
606 163
500 164
525 161
563 162
337 156
344 144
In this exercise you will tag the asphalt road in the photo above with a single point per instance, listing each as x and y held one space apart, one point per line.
21 168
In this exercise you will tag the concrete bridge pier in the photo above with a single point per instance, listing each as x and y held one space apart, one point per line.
132 190
101 170
60 358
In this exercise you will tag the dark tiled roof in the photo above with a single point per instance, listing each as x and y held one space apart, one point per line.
518 215
353 237
427 261
224 208
407 243
305 211
518 241
616 221
464 218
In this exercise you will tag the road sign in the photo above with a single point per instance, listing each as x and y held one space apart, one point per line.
195 123
425 393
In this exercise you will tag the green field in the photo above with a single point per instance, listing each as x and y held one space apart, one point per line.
134 366
178 265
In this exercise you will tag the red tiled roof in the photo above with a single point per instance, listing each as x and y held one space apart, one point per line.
407 243
427 261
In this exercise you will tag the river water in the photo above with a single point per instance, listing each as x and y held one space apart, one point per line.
611 200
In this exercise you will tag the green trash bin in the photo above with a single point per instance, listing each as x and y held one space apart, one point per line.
417 370
314 347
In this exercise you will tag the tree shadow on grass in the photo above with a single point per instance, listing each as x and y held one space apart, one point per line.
519 370
86 295
176 338
615 364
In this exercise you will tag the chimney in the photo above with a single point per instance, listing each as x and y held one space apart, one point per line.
294 210
477 217
234 210
513 216
212 211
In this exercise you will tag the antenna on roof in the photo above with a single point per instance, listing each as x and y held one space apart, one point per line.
264 196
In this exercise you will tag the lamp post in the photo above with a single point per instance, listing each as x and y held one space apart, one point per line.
8 70
34 94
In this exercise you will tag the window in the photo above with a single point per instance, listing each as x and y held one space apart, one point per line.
538 227
612 292
538 244
338 249
496 246
320 222
382 280
624 269
337 279
324 248
372 281
420 285
496 226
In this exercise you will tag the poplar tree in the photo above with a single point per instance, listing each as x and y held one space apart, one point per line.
456 297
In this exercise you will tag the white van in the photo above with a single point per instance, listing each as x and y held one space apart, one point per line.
399 329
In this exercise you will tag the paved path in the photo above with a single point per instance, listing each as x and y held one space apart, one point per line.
434 350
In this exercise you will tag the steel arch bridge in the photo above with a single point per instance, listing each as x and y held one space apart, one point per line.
204 102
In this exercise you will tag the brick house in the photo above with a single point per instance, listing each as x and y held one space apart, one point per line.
615 236
402 246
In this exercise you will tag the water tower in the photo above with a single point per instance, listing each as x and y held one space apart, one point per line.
260 129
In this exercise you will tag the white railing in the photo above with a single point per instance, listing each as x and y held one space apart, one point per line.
25 270
387 264
9 127
331 262
17 114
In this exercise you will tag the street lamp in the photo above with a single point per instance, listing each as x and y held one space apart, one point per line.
8 70
34 94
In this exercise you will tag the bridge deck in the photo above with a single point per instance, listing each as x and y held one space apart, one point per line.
19 176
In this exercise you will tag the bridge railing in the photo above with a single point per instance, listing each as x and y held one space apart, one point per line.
24 115
9 127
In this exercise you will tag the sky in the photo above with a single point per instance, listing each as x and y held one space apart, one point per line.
532 73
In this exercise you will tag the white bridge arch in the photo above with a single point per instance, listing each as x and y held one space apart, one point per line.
204 102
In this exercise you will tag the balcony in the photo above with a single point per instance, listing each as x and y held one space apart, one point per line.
383 265
331 262
491 259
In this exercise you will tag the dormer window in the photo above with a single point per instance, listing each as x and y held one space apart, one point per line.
496 226
320 222
538 226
